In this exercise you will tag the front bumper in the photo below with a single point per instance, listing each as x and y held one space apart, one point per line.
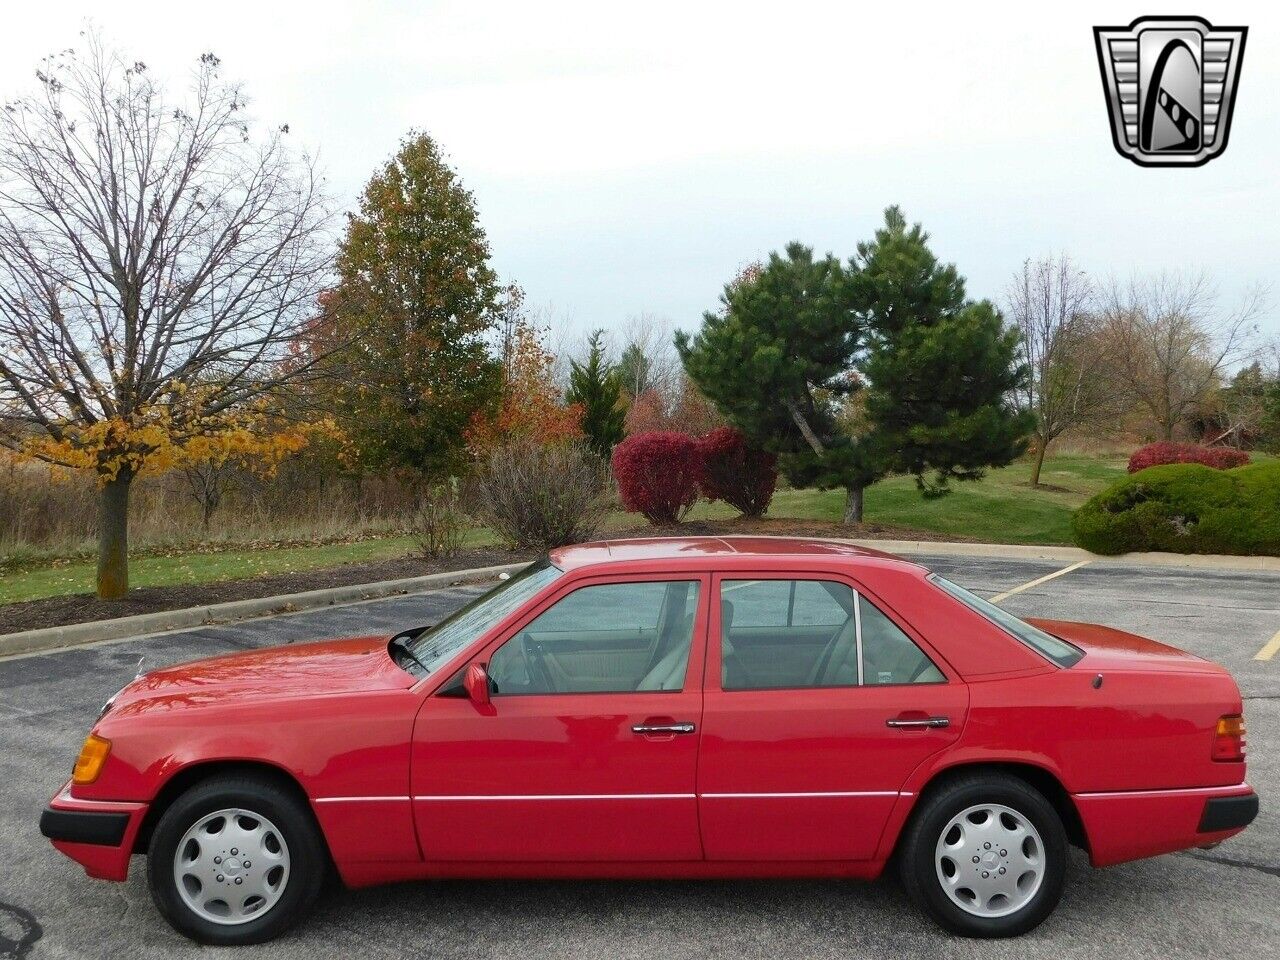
99 835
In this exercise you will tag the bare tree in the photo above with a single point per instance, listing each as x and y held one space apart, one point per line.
647 356
1049 301
156 259
1167 341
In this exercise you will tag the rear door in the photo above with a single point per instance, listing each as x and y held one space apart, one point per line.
820 701
588 749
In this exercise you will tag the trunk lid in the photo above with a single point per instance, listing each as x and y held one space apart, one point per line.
1109 648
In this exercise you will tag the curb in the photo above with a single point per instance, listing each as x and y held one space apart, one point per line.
96 631
1012 551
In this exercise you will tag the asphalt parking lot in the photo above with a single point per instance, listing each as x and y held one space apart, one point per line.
1220 903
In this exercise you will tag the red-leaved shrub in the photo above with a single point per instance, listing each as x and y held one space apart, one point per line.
657 474
733 472
1156 454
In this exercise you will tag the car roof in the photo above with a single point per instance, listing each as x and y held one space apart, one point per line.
713 549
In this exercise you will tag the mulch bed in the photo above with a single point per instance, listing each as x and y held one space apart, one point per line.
83 607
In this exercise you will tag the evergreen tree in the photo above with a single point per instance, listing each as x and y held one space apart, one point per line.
776 359
635 370
416 301
596 387
941 368
795 339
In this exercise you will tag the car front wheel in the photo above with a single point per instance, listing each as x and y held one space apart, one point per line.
985 856
235 860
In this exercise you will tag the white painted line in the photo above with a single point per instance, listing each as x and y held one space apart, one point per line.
1269 649
1035 583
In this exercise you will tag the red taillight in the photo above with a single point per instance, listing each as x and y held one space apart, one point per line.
1228 739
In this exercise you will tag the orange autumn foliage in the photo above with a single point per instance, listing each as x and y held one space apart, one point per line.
531 408
171 434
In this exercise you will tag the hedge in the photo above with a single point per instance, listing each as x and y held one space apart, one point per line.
1155 454
657 474
1186 508
736 473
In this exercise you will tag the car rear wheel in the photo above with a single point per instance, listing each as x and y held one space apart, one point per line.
985 856
235 860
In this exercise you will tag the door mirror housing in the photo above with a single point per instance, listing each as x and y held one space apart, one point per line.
476 682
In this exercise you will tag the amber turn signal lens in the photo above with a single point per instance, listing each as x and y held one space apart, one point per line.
1228 739
92 756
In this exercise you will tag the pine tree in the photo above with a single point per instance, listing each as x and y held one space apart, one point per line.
941 368
597 388
776 359
795 339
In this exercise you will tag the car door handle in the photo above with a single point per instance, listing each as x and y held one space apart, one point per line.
917 724
661 728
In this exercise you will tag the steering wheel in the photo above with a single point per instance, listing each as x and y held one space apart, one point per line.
535 661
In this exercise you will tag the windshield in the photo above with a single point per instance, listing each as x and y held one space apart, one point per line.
434 646
1059 651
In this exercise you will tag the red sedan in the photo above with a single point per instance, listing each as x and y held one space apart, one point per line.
666 708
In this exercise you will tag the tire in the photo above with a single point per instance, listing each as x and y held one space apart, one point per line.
984 816
236 900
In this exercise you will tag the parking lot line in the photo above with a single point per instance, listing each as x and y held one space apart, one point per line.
1039 580
1269 649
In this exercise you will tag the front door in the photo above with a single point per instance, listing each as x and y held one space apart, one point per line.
798 761
588 749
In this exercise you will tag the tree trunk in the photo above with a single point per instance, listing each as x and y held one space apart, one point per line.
1041 445
113 537
853 505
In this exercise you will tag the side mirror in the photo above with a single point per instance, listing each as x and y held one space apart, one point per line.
476 681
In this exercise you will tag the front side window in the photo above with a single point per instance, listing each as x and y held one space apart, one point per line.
779 634
605 638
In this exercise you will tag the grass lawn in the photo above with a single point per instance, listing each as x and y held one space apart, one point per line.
210 567
1000 508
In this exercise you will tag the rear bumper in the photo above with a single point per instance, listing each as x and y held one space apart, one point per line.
1228 813
98 835
1132 824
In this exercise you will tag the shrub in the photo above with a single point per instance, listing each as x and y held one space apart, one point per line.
657 474
1186 508
1164 452
440 524
540 496
733 472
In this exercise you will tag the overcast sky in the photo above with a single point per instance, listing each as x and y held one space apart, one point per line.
627 158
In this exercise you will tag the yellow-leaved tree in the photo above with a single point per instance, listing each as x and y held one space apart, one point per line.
157 259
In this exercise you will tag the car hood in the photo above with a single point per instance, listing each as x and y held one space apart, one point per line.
298 670
1106 647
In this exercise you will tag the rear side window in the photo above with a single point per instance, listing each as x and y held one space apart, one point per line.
1046 644
888 654
788 634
